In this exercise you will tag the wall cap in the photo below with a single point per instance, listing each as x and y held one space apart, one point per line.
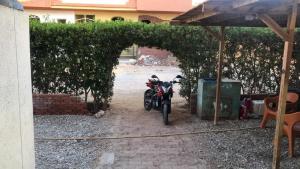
12 4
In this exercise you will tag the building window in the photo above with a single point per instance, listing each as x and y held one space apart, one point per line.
84 18
80 18
117 18
90 18
34 18
146 21
61 21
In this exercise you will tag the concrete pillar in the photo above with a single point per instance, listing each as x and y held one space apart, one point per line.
16 117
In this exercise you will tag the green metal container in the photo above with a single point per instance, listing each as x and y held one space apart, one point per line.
230 99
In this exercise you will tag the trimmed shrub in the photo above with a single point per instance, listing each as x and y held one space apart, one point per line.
254 56
80 58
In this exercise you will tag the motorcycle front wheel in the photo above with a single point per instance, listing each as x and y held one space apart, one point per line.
165 113
148 100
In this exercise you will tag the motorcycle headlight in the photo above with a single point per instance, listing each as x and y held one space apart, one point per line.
169 88
164 89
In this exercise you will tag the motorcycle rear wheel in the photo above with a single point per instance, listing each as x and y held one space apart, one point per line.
148 100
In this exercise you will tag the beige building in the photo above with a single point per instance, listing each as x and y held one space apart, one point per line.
105 10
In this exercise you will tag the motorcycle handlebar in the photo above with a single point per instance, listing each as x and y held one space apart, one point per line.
154 77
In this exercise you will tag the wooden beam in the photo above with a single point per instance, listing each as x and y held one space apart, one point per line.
222 18
219 74
209 9
239 3
274 26
201 16
243 3
288 50
217 35
225 7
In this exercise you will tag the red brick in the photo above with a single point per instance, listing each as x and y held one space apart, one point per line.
58 104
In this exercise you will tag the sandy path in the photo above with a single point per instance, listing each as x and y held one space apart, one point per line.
132 120
238 149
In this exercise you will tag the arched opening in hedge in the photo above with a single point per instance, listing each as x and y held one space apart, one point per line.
80 58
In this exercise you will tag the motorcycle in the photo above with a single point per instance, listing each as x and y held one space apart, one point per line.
159 95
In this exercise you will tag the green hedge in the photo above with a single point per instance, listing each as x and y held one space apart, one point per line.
79 58
254 56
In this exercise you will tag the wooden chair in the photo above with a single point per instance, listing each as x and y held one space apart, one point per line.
271 104
291 129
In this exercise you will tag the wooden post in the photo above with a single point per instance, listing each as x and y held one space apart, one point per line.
219 74
288 50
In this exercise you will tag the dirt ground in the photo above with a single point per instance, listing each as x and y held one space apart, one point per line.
138 139
238 149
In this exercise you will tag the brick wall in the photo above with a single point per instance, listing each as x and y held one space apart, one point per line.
58 104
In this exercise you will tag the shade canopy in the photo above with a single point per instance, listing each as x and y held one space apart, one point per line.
241 13
276 14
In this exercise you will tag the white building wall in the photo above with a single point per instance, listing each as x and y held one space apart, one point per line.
52 15
16 114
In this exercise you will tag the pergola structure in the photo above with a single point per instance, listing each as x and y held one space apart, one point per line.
275 14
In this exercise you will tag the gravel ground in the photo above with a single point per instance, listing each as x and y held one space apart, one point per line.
71 126
69 154
245 149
